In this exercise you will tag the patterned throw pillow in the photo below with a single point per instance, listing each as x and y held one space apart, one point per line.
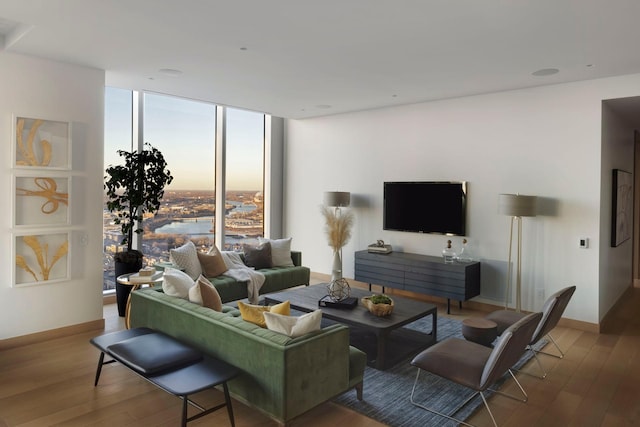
257 256
293 326
186 257
255 313
176 283
280 251
205 294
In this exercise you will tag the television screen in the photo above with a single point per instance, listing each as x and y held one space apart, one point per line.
425 207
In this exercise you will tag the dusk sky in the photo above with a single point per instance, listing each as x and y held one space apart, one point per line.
184 131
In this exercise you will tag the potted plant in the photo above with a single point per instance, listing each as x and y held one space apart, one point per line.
380 305
133 189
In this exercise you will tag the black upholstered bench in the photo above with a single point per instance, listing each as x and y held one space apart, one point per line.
167 363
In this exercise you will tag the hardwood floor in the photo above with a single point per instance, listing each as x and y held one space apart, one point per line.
51 383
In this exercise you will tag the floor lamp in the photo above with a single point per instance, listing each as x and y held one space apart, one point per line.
516 206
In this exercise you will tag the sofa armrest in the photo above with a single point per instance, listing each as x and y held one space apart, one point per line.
296 257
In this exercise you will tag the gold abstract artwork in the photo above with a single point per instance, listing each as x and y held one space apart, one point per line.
48 189
45 261
25 149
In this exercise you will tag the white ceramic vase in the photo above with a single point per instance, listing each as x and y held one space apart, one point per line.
336 269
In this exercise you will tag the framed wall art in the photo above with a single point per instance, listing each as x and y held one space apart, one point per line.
40 258
40 143
41 200
622 207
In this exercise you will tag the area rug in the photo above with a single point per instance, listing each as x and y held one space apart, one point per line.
386 393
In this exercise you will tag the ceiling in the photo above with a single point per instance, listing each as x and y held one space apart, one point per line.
304 58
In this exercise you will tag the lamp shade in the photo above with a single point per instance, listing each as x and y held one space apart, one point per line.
337 198
517 205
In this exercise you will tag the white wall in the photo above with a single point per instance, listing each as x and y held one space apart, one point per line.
542 141
617 153
50 90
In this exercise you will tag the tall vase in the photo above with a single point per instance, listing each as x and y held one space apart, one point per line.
336 269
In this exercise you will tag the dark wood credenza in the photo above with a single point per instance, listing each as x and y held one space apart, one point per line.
422 274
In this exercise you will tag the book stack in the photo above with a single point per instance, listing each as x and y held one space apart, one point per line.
379 249
141 277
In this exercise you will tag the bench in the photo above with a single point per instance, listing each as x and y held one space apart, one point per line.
168 364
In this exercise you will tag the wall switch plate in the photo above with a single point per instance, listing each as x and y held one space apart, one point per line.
584 242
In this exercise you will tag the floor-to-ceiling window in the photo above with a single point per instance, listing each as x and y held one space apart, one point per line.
185 132
244 179
118 130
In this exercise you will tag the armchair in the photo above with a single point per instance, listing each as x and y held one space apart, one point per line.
551 314
476 366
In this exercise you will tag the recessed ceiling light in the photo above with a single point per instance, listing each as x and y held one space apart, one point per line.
170 72
243 48
545 72
323 106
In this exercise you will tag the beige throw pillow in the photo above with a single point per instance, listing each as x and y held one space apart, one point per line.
293 326
205 294
212 263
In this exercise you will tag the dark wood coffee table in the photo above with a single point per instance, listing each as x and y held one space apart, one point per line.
384 339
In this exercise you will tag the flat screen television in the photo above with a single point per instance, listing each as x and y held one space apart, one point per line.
425 207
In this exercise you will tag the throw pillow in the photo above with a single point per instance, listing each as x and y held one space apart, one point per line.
176 283
205 294
257 256
186 257
212 263
280 251
255 313
293 326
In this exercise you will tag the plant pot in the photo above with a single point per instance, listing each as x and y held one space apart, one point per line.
380 310
125 263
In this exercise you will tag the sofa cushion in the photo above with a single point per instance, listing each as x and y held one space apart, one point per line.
255 313
205 294
257 257
212 263
280 251
186 257
176 283
293 326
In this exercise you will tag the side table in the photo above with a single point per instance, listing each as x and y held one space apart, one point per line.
480 330
135 284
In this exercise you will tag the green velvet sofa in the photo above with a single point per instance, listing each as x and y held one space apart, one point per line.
281 376
276 279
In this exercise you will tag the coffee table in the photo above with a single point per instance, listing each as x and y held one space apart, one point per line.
383 339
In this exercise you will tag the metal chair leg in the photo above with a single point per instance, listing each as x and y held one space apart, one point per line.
450 417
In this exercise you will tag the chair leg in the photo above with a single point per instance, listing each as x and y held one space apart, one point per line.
524 393
535 356
557 347
433 411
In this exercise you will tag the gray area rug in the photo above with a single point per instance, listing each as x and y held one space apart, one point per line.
386 393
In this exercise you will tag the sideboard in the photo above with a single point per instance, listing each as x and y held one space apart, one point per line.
422 274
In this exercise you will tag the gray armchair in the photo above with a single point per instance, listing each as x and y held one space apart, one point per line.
476 366
551 313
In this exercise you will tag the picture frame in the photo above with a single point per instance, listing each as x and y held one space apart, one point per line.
41 143
41 200
621 207
40 258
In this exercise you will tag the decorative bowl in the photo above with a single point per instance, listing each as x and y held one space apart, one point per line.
379 309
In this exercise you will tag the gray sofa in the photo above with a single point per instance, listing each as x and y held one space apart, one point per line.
281 376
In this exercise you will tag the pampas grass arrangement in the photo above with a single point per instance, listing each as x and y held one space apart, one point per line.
338 226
